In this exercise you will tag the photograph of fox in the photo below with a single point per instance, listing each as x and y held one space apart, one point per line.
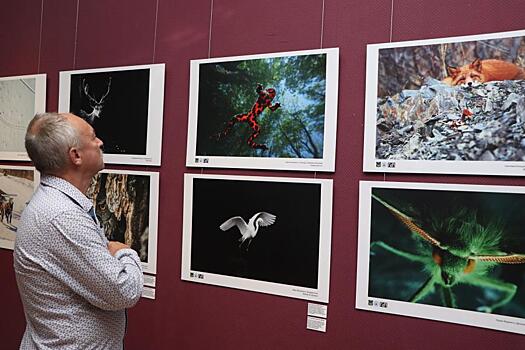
268 107
455 249
454 63
452 101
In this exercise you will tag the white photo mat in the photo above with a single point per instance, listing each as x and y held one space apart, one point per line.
365 300
20 190
149 266
21 97
325 163
395 164
155 110
319 294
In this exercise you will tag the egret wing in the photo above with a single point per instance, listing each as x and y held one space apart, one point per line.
234 221
267 218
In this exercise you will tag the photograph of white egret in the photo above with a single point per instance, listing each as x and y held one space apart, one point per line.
126 205
17 184
125 107
448 105
264 234
445 252
21 97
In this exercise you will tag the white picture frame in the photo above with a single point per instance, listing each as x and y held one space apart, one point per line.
144 243
21 97
316 130
213 255
124 105
441 129
17 183
395 264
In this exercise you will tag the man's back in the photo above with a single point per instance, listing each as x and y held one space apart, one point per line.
73 291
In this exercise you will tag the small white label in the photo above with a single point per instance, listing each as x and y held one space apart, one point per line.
148 292
318 310
316 324
150 280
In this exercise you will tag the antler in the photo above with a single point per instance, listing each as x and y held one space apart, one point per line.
502 259
107 92
85 88
407 221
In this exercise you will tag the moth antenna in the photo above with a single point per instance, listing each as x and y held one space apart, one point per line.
501 259
407 221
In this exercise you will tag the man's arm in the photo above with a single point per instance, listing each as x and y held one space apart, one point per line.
84 262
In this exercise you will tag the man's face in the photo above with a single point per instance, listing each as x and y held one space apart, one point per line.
90 145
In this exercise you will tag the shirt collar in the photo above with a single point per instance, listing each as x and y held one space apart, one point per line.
68 189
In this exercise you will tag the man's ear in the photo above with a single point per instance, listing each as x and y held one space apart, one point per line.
74 156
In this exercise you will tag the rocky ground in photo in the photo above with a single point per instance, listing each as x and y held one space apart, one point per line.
440 122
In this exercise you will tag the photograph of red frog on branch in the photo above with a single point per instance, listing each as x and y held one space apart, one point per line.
450 105
271 111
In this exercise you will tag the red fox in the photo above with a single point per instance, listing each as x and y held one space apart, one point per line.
482 71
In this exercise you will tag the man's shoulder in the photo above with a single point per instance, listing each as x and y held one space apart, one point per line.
46 205
50 199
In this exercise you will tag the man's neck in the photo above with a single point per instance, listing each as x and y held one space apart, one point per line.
80 182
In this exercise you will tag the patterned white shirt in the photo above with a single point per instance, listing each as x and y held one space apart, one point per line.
73 290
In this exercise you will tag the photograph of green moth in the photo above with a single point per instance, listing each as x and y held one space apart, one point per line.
447 252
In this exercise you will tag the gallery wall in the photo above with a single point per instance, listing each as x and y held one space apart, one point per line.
38 36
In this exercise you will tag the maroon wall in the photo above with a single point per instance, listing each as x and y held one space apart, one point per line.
39 36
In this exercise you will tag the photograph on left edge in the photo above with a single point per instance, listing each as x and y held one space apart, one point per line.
125 107
445 252
21 97
17 184
126 205
269 235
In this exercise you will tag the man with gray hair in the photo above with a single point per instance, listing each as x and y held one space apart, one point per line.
74 284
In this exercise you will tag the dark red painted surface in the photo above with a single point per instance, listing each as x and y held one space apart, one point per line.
193 316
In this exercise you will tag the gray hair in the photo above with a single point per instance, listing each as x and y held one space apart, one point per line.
48 139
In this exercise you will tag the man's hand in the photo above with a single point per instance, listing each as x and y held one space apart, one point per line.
115 246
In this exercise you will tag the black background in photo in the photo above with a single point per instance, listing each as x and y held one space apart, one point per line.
286 252
123 121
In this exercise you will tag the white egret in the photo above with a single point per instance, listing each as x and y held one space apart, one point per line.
249 230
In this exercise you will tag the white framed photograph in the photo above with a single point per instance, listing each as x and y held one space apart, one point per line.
21 97
268 111
445 252
447 106
17 185
262 234
125 107
126 204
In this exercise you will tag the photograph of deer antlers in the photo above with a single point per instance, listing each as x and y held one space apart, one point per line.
451 105
124 106
269 235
